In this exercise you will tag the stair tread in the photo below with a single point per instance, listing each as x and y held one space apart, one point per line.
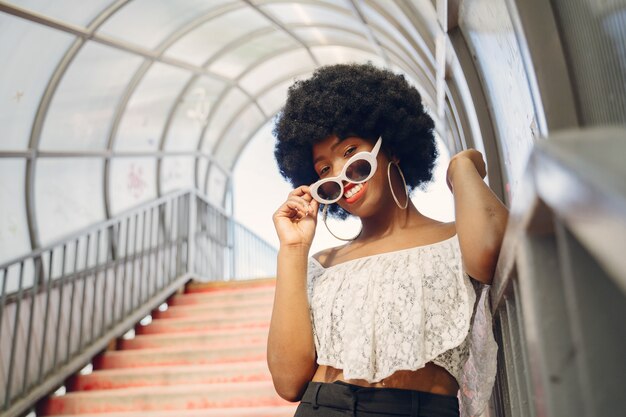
217 332
191 389
175 349
211 362
229 285
179 368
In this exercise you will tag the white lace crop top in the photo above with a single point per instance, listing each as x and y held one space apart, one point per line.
375 315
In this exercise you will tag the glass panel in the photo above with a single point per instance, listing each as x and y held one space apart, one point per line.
327 55
310 14
427 16
80 113
275 69
203 164
233 140
191 114
68 195
388 34
593 35
255 173
28 65
327 36
489 34
216 185
275 98
238 59
77 12
436 200
200 44
14 239
141 126
132 182
233 101
150 22
176 173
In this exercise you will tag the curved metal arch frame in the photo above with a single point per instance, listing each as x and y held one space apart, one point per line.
424 76
174 108
260 94
240 110
419 24
225 49
371 36
288 49
262 124
425 61
426 55
233 120
46 99
136 80
255 131
142 71
282 27
180 33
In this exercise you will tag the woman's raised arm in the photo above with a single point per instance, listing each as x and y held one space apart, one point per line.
480 216
290 347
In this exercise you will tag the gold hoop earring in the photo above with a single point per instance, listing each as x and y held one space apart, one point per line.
324 214
406 190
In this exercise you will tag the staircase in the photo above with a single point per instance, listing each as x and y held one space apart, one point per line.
202 356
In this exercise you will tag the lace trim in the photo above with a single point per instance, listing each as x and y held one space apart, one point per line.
420 303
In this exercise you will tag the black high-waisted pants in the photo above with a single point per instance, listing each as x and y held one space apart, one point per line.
342 399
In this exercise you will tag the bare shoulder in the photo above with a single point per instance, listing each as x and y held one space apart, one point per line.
448 229
435 232
326 256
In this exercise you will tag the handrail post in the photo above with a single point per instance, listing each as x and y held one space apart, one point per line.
191 232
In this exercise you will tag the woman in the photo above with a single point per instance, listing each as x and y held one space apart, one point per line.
395 321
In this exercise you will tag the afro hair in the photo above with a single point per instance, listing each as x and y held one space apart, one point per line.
354 100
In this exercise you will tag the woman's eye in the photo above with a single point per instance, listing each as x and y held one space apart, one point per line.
323 171
350 151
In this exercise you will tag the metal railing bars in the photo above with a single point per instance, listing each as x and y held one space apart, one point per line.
62 304
561 277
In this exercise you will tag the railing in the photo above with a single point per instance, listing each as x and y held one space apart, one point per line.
559 297
226 249
62 305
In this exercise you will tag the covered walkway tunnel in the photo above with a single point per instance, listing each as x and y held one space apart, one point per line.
122 123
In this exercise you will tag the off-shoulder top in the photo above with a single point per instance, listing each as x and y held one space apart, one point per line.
375 315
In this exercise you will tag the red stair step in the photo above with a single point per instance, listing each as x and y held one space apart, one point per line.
211 312
265 294
199 324
172 375
186 397
178 356
216 338
235 285
194 299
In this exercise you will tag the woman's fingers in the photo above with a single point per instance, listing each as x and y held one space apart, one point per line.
295 208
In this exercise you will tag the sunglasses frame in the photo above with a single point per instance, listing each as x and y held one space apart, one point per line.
369 156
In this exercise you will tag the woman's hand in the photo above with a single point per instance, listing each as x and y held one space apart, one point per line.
464 158
296 219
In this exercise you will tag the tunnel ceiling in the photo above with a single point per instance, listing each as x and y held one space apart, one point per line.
147 96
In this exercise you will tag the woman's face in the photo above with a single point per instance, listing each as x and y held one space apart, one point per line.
329 157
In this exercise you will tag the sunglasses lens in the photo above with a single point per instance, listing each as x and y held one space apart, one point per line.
359 170
329 190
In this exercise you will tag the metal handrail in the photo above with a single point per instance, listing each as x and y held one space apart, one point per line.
89 229
579 177
565 240
78 293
